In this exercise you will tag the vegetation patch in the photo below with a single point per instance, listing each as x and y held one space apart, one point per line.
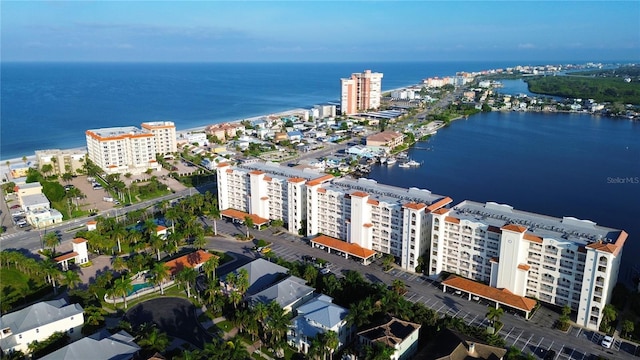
600 89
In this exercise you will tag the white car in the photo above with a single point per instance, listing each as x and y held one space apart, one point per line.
607 342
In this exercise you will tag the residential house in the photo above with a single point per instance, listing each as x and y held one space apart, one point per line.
100 346
289 293
452 345
388 139
318 316
39 321
194 260
398 334
262 274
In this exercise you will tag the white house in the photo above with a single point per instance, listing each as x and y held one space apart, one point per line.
400 335
101 346
79 254
39 321
319 315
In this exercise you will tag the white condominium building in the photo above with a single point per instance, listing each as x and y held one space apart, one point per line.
129 149
374 216
164 133
360 92
561 261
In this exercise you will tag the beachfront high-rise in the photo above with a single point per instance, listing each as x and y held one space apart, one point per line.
362 213
360 92
561 261
129 149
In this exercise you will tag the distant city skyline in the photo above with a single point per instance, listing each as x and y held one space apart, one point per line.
322 31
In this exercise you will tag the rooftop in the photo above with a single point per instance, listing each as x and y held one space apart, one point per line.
262 274
285 292
101 345
190 260
582 232
39 314
117 131
501 296
392 333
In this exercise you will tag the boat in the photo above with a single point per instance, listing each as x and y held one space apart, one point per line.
404 165
383 160
413 163
391 161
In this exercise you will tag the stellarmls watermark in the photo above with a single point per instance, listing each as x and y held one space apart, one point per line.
623 180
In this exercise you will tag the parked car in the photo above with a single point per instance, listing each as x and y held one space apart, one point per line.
15 207
607 342
550 355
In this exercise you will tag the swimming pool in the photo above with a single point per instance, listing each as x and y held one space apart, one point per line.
137 287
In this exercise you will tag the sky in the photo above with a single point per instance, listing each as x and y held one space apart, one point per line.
319 31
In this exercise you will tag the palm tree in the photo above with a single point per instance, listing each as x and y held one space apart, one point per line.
154 340
71 279
119 232
119 263
248 223
360 312
187 276
156 242
398 286
277 323
122 286
494 314
159 274
51 240
24 160
215 215
52 272
310 273
210 266
200 241
331 342
260 311
242 281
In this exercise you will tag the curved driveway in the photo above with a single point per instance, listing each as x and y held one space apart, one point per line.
174 316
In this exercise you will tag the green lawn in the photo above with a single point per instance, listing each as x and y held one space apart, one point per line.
19 288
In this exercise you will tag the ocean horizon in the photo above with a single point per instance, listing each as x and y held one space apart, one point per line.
61 100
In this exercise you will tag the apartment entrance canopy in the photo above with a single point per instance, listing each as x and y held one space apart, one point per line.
241 215
354 250
500 297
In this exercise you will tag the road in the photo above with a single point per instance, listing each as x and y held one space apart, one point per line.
533 336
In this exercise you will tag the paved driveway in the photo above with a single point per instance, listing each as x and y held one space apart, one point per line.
175 316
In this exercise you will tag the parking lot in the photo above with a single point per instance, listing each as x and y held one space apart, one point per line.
535 336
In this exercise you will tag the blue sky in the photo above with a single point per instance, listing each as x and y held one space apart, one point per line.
319 30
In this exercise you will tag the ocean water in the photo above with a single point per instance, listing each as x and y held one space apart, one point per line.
51 105
555 164
575 165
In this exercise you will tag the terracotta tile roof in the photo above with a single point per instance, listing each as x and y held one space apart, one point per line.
613 248
384 136
223 164
322 190
532 238
264 198
452 219
514 227
441 211
229 171
524 267
440 203
296 180
79 240
349 248
319 180
495 259
494 229
190 260
240 215
67 256
267 178
582 249
368 225
414 206
160 228
373 202
92 222
359 194
256 172
501 296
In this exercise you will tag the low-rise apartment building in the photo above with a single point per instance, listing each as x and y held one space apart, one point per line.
62 161
561 261
386 139
378 217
